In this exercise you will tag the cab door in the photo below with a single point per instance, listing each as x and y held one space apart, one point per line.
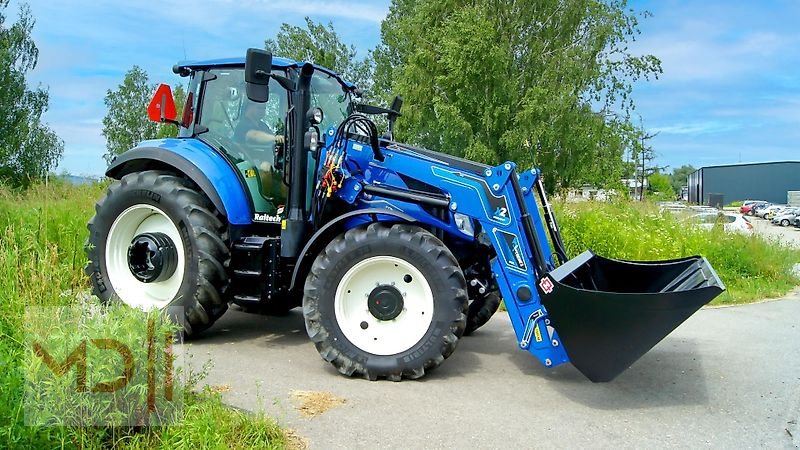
252 135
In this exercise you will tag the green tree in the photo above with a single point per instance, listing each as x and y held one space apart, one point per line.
321 45
126 122
29 149
659 187
680 176
545 82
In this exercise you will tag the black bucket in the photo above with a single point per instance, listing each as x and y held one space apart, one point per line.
608 313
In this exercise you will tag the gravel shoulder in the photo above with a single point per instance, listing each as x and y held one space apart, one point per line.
789 236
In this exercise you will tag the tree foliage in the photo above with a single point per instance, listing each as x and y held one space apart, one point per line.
29 149
320 44
680 176
546 82
660 187
126 122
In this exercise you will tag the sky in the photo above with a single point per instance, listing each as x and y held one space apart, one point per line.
730 91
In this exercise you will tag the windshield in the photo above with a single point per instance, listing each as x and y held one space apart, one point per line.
225 101
329 95
225 105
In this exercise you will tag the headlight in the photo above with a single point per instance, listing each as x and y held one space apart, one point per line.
315 116
312 140
464 223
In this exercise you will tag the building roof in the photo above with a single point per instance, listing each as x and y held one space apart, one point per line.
720 166
749 164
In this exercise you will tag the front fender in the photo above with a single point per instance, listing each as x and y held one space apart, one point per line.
335 227
200 163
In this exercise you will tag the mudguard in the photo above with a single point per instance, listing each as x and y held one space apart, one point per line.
336 226
200 163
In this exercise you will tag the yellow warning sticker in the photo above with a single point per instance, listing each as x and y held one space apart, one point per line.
250 173
283 224
537 334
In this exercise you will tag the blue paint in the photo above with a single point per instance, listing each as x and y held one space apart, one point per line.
216 169
488 199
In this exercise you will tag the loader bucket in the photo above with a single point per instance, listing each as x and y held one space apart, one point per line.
608 313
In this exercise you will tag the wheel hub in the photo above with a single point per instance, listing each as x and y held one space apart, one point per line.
152 257
385 302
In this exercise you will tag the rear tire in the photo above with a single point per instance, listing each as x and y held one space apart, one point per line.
785 222
385 301
481 310
162 203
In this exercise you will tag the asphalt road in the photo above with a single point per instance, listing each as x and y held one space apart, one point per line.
728 377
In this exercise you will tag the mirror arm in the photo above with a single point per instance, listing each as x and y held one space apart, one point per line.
286 83
174 122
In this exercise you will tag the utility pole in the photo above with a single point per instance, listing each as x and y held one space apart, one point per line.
647 155
641 190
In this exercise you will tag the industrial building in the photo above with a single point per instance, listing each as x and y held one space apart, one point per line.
719 185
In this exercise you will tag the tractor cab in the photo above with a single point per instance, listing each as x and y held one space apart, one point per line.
254 136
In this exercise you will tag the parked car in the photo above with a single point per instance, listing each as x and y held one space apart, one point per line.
748 206
770 211
797 221
731 222
759 208
786 217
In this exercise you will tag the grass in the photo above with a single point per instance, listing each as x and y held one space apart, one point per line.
41 261
751 267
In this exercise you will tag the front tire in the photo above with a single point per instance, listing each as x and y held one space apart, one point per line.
385 301
186 265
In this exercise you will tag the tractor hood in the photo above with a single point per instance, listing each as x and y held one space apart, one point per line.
443 158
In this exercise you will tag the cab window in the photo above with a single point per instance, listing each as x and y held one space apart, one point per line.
251 134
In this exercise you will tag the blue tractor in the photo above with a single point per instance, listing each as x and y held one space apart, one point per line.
281 192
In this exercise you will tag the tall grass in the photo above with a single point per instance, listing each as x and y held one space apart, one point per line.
42 232
751 267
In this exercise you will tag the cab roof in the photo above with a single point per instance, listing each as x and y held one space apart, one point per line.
277 62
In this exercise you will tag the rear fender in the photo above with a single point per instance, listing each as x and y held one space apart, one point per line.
197 161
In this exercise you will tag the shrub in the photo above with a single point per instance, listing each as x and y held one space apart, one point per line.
751 267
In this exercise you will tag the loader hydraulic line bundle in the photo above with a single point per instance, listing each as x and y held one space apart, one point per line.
393 252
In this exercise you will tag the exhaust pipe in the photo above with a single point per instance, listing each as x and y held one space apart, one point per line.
293 233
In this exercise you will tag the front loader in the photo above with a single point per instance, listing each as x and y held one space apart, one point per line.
394 252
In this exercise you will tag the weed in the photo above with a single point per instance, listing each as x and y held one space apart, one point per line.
42 233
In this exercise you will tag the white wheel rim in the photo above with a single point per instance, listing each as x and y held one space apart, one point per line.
132 222
383 337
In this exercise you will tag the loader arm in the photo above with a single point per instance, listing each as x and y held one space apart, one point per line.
604 327
500 202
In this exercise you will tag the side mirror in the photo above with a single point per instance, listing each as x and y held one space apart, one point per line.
162 107
257 69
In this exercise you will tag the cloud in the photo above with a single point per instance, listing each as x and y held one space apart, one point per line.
730 90
695 128
695 53
86 47
717 40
